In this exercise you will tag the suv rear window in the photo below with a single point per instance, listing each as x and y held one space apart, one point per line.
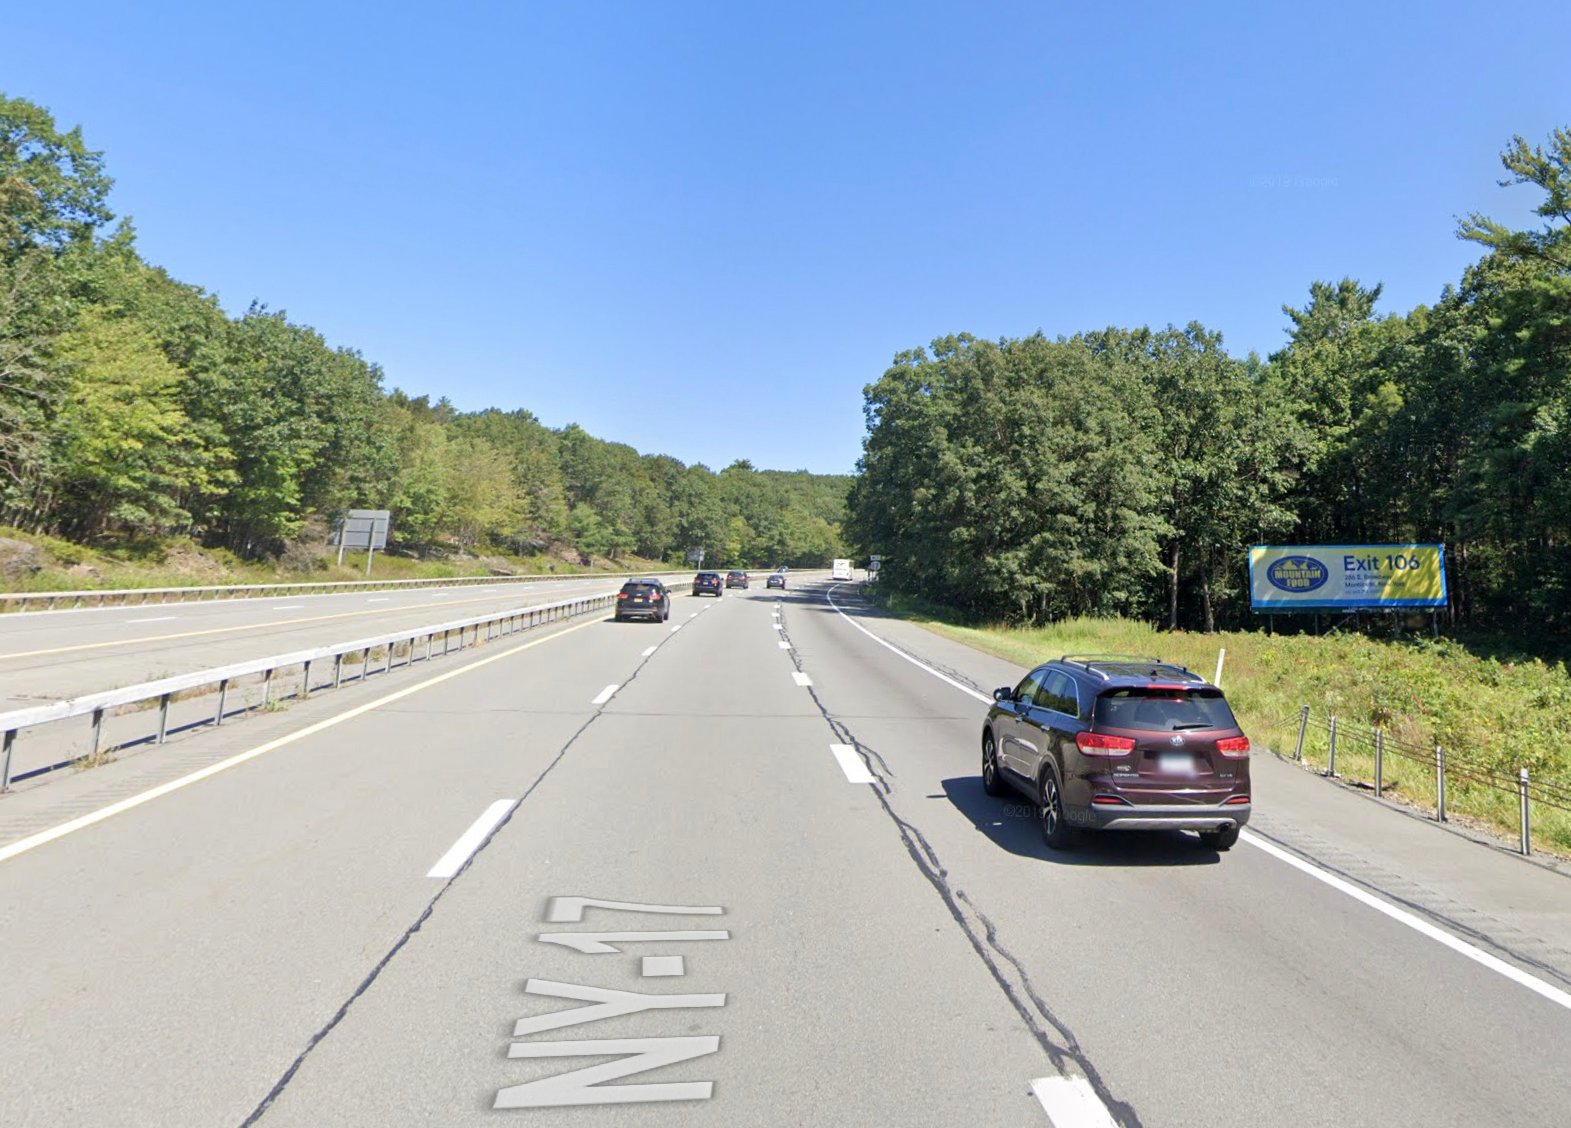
1159 709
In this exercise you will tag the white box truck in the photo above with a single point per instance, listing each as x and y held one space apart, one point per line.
841 570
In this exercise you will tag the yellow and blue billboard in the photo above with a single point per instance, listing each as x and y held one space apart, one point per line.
1324 577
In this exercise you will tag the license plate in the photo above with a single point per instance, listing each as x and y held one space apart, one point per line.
1176 763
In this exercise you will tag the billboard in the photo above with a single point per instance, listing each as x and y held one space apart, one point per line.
1325 577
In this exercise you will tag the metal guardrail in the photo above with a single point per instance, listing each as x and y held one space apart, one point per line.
1551 793
136 597
101 704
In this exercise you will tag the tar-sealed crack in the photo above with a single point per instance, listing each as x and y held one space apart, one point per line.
1055 1037
408 934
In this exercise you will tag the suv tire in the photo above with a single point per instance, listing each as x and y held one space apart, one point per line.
1220 839
992 779
1056 831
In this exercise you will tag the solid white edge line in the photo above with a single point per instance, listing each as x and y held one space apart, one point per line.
801 678
605 695
1070 1102
1422 927
851 764
82 822
1417 924
468 842
154 619
896 650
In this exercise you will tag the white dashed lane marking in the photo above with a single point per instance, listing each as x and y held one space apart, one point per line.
851 763
459 853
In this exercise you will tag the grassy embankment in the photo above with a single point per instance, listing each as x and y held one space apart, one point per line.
1495 713
39 563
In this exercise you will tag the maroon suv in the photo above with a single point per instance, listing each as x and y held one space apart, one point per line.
1119 743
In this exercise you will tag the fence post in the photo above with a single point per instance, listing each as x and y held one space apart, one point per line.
1380 762
1220 655
1527 826
1331 760
1440 783
1303 723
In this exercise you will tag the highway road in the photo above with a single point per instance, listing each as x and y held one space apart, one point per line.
389 906
49 655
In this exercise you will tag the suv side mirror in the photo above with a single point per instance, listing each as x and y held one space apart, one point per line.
1004 693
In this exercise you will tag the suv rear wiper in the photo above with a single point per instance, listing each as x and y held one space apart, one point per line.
1195 725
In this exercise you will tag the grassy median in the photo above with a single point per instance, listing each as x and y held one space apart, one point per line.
1491 709
30 562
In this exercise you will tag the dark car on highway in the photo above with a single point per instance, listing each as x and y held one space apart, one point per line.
707 582
776 580
1119 743
736 579
643 599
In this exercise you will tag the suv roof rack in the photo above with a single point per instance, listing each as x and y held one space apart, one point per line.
1095 662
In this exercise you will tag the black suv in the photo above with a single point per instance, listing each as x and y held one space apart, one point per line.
643 599
776 580
707 581
1119 743
736 579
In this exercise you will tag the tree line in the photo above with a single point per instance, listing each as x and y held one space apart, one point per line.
1128 470
132 406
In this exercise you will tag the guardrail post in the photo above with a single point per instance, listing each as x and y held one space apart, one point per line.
1440 783
163 717
5 759
305 679
1380 762
338 670
428 646
267 688
1527 826
1331 760
365 663
447 641
1303 723
223 696
98 729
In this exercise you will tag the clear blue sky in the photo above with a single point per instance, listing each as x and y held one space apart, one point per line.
701 229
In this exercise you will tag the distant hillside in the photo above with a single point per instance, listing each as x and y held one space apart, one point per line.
134 410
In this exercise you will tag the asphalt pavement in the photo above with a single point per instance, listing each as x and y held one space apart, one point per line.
738 869
50 655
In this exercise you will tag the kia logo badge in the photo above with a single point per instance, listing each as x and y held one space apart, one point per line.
1175 739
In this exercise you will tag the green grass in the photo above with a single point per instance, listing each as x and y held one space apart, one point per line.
179 562
1496 715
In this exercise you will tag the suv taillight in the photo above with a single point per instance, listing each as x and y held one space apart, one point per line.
621 595
1098 744
1237 746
